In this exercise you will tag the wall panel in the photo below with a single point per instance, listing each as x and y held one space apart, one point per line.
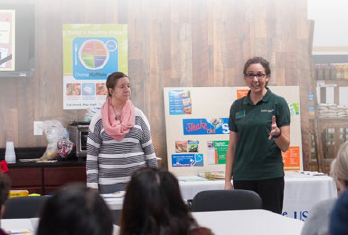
171 43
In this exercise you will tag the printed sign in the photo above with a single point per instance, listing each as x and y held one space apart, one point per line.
310 96
180 102
294 108
186 146
242 92
200 126
187 160
91 52
192 146
217 151
311 110
291 158
94 58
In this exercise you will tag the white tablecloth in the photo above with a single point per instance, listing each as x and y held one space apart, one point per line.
300 194
29 225
248 222
20 225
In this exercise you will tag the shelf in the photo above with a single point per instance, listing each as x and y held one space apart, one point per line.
45 179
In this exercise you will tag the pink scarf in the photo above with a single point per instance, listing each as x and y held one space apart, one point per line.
117 129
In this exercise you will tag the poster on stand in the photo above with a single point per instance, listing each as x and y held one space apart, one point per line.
91 52
197 127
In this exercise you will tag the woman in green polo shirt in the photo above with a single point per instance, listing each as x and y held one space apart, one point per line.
259 126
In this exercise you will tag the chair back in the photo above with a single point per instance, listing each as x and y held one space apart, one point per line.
219 200
23 207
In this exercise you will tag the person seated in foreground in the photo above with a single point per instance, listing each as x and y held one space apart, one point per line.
153 206
75 210
5 185
318 219
339 216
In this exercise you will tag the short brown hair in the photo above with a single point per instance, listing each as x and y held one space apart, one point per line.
258 60
112 79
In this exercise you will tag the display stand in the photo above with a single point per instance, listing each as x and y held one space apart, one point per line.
197 127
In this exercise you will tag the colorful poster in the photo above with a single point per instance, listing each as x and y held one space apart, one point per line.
91 52
311 110
294 108
217 150
291 159
187 160
191 146
242 92
7 40
181 146
180 102
310 96
200 126
205 130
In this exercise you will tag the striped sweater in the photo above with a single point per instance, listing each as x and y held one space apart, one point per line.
110 163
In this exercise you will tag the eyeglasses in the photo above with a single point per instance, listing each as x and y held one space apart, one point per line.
259 75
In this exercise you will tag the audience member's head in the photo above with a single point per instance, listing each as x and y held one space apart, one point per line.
153 205
5 185
75 210
339 167
339 215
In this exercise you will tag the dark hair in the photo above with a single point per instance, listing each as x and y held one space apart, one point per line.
258 60
112 79
153 205
75 210
5 185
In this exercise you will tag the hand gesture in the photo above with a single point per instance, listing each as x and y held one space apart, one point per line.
275 131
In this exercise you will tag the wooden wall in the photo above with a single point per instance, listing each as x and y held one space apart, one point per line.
171 43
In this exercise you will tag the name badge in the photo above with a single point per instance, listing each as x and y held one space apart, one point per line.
240 114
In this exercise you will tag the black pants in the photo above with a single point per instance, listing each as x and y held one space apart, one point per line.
271 191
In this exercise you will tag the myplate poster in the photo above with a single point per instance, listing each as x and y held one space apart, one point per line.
91 52
197 127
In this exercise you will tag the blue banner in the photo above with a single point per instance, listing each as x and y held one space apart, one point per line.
187 160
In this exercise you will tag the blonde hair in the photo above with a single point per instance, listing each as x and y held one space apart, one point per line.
339 166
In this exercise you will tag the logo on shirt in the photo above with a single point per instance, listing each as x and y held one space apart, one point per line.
240 114
267 110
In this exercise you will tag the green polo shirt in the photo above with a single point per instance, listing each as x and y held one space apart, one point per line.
256 157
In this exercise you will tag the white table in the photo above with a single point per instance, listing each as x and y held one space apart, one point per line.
30 225
20 224
248 222
300 194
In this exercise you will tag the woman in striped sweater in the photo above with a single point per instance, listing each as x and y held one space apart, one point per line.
119 139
